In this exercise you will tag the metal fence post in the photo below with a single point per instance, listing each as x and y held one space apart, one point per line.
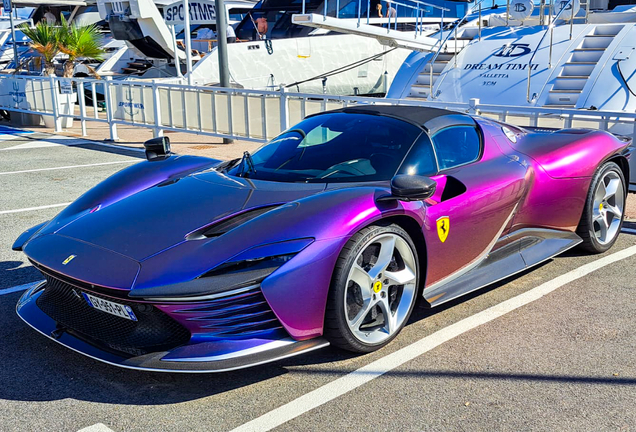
156 100
284 110
109 110
56 107
473 103
82 104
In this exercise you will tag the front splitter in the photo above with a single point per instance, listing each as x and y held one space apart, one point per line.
197 362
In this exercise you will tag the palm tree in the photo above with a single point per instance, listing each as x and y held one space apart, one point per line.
80 42
45 39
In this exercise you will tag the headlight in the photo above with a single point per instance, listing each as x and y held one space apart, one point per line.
243 271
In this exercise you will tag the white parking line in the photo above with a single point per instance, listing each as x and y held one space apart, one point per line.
99 427
357 378
42 143
7 137
69 167
34 208
63 141
18 288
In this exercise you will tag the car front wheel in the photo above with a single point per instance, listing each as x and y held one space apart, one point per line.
373 289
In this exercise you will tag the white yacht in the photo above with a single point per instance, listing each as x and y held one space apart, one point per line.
276 52
151 47
548 58
561 57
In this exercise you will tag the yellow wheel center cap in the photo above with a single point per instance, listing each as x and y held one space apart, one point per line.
377 287
601 206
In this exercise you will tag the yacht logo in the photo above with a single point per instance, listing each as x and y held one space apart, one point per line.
566 4
131 108
513 50
520 7
17 95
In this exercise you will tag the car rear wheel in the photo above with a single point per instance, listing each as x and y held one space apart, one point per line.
373 289
602 217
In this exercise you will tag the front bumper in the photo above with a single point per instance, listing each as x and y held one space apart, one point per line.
199 355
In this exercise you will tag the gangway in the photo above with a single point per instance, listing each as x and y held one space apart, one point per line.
388 31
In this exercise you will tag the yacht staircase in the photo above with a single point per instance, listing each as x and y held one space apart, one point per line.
422 85
576 71
138 67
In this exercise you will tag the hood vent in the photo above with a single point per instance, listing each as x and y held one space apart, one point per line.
221 227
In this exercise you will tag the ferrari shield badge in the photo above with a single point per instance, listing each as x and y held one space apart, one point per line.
443 227
69 259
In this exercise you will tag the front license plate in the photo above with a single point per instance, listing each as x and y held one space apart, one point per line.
110 307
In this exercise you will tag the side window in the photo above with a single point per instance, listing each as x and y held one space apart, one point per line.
421 158
456 145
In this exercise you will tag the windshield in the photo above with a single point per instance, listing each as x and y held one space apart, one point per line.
336 147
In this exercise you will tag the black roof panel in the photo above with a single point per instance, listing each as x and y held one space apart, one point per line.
431 119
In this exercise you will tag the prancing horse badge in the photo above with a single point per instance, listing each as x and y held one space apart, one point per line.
69 259
443 227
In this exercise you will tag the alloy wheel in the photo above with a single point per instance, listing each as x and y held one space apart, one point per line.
381 288
609 204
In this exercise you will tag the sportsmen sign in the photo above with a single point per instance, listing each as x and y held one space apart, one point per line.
201 12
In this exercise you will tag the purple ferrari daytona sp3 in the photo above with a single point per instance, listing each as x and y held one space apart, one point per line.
328 234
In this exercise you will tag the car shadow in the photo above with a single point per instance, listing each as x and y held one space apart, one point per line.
499 376
35 368
98 147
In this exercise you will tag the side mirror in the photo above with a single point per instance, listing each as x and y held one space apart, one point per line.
157 148
412 187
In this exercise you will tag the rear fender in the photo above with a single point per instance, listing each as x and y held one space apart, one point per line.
570 153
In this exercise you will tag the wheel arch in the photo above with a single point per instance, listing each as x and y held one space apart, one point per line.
414 230
623 164
332 322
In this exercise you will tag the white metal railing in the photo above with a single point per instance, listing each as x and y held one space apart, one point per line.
417 7
442 44
254 115
550 28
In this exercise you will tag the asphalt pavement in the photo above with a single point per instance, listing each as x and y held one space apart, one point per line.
563 361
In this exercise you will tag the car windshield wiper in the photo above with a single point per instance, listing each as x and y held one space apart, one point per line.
224 166
247 160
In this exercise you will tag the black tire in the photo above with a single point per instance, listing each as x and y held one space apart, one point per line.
586 229
336 329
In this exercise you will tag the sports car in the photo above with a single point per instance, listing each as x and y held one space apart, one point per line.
328 234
